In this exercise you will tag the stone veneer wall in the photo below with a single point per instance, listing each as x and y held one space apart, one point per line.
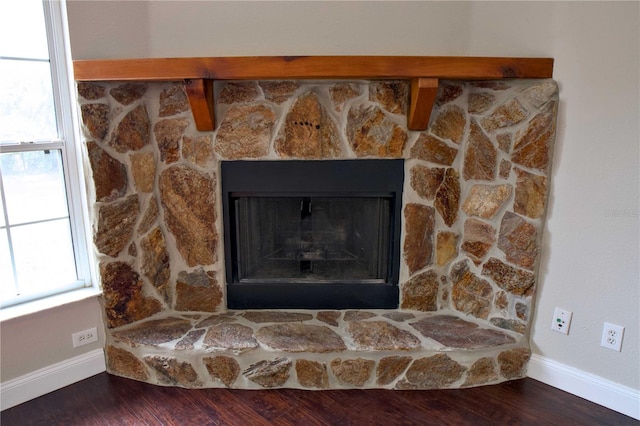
476 186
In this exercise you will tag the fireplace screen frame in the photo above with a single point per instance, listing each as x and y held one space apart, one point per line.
315 178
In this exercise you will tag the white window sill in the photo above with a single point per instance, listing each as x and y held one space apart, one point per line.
47 303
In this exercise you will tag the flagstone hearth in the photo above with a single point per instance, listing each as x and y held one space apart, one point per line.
473 207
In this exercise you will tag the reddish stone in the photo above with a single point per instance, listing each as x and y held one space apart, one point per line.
197 291
514 280
505 115
392 95
235 337
116 222
448 197
426 181
90 91
238 92
435 372
128 93
123 363
300 338
448 92
470 294
278 91
432 149
168 135
155 262
480 158
109 175
143 169
480 102
198 150
133 132
173 100
478 239
533 145
342 92
328 317
518 240
153 332
352 372
371 133
381 336
276 316
187 342
170 371
482 371
450 124
149 217
358 315
513 363
223 368
390 368
269 374
420 293
418 241
96 119
312 374
454 332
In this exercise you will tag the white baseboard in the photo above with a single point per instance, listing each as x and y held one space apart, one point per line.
603 392
53 377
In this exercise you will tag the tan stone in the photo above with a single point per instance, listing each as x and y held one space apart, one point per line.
450 124
448 92
509 324
518 240
480 157
328 317
502 301
245 132
381 336
278 91
531 193
124 299
300 338
418 241
513 363
149 217
269 374
308 131
541 93
470 294
432 149
170 371
342 92
235 92
516 281
453 332
352 372
486 200
392 95
198 150
435 372
482 371
446 247
153 332
505 169
173 100
390 368
115 225
123 363
90 91
448 197
478 239
109 175
168 134
223 368
426 181
133 132
197 291
372 133
143 169
420 293
312 374
155 262
188 199
260 317
96 119
505 115
128 93
235 337
532 146
480 102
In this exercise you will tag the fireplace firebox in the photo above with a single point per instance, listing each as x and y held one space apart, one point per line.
312 234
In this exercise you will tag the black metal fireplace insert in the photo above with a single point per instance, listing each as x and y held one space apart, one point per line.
312 234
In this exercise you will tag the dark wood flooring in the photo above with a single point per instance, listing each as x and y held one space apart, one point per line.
109 400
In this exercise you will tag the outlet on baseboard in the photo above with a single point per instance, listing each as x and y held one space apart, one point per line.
561 320
84 337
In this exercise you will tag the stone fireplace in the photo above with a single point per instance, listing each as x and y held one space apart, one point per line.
472 213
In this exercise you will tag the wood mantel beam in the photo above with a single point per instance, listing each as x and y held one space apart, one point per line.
423 71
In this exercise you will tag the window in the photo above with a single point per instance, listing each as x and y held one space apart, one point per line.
43 247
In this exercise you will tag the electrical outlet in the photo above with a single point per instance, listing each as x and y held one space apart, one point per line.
561 321
84 337
612 337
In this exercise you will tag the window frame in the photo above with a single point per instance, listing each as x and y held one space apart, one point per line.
69 143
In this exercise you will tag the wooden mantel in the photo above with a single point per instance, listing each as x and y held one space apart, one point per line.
424 72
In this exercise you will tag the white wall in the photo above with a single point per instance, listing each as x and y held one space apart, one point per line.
590 262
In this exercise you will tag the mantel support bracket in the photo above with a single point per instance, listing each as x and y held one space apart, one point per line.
423 95
200 94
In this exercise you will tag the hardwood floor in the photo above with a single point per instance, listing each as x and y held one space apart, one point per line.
109 400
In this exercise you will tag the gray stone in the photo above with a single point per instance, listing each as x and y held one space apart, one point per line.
300 338
381 336
269 374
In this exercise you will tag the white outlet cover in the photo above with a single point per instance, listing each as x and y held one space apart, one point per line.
612 335
561 320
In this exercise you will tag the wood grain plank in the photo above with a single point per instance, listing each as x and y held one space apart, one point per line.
200 95
423 95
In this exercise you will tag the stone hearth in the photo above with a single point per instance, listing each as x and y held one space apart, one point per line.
476 184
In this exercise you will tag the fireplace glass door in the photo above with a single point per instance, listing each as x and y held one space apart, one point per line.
312 234
314 239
